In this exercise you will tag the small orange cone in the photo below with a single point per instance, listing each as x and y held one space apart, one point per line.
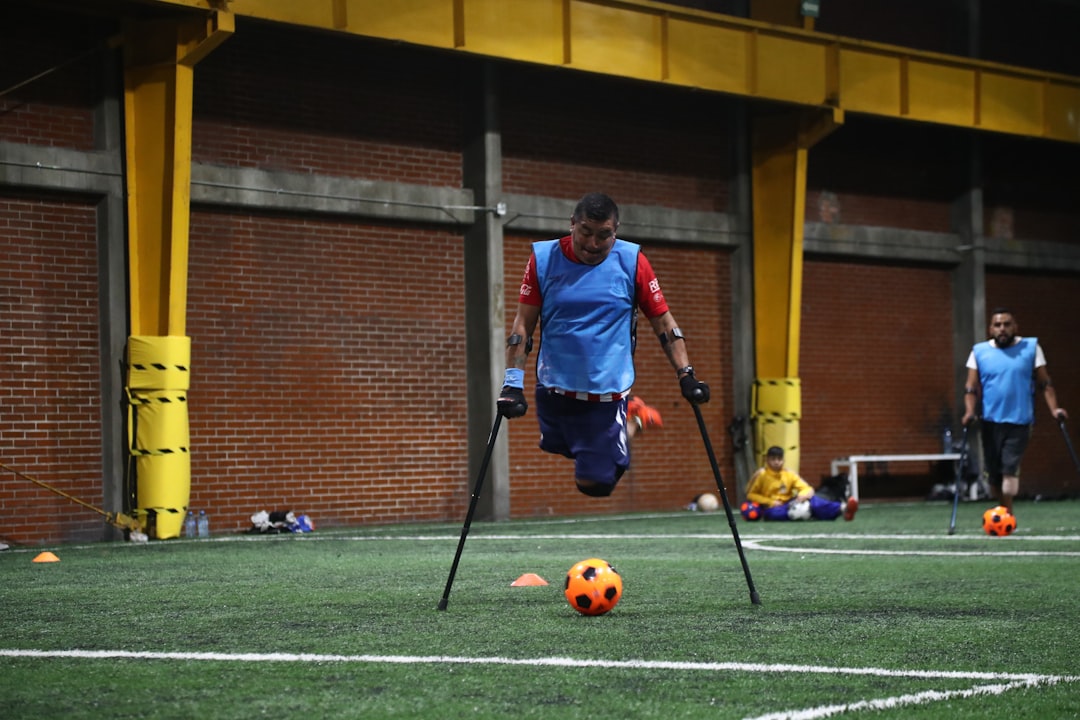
529 580
46 557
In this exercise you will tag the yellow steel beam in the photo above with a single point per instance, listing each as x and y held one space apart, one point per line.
660 43
779 162
780 148
159 57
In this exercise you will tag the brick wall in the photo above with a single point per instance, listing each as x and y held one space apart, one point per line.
329 105
310 387
564 136
1044 305
328 370
56 109
875 363
877 371
50 386
887 174
1034 184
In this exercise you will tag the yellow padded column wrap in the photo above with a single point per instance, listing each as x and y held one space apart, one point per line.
778 398
158 379
164 488
159 363
777 406
163 422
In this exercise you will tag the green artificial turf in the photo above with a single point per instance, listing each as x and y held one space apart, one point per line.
886 616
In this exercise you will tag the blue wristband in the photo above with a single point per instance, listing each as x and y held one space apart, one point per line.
515 378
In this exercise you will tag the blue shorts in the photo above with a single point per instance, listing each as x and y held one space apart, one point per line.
593 434
820 509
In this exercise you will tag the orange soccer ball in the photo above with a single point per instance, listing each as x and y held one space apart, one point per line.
593 586
998 521
750 510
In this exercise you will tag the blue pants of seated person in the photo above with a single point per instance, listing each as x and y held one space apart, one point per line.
820 509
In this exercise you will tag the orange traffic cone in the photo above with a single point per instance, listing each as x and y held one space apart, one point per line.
528 580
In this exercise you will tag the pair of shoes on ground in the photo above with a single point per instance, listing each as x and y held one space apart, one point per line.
851 506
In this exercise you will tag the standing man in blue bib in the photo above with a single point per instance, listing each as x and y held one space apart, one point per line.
585 290
1003 373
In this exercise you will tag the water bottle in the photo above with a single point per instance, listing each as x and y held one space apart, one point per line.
946 440
203 525
189 525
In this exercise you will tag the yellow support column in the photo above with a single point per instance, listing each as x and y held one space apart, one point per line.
777 404
159 60
780 146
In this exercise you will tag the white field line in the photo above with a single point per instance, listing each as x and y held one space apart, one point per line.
482 535
921 698
1004 681
757 545
557 662
749 540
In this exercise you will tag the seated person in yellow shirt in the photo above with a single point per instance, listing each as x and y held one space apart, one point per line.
783 495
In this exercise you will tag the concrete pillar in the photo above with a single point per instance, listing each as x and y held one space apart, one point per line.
742 290
968 287
112 298
485 306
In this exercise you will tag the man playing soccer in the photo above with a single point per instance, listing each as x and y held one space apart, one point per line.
1003 373
585 290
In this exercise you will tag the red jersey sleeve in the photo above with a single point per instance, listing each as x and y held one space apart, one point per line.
530 288
649 295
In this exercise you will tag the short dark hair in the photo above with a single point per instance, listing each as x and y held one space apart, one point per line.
597 207
1001 310
775 451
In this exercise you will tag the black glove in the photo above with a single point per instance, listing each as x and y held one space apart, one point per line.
511 402
693 389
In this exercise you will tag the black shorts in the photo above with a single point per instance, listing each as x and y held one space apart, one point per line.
1003 448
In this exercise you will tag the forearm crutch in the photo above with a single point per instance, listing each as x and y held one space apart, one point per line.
472 509
754 597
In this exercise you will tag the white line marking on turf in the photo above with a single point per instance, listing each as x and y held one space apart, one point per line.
922 698
749 540
756 545
699 536
705 536
1007 681
563 662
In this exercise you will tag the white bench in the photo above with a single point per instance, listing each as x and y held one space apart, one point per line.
852 463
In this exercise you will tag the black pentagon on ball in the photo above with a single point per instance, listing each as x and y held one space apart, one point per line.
583 601
589 574
610 592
